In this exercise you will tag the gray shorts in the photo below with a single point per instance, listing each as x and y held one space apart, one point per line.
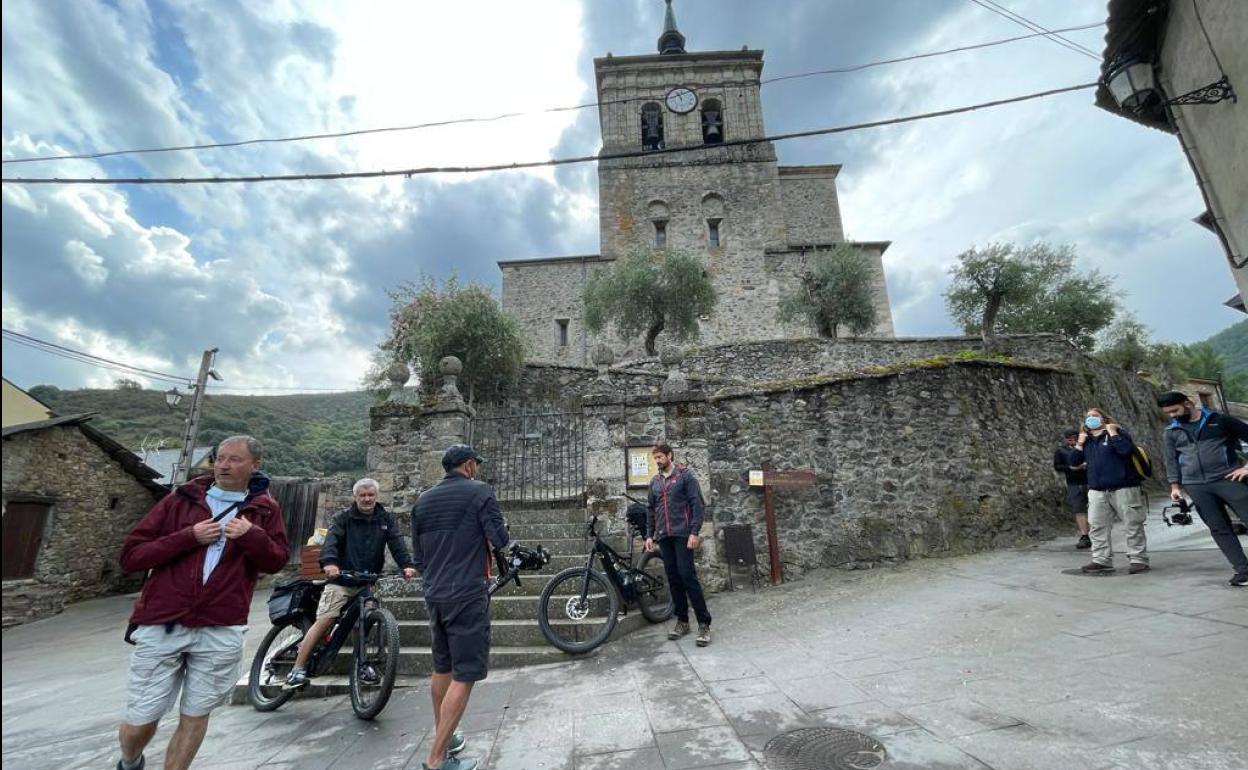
1077 497
203 663
461 638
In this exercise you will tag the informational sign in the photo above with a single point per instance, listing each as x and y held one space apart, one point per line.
640 465
756 478
783 479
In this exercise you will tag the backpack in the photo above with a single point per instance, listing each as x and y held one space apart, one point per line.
1141 462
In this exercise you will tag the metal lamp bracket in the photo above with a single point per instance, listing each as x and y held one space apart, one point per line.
1217 91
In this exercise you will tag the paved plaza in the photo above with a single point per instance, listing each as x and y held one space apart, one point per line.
997 660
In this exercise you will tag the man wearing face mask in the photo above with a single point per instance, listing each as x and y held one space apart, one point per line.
1113 489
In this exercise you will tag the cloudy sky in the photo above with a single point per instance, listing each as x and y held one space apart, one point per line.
289 279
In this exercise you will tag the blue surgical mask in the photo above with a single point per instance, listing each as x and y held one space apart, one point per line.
1092 421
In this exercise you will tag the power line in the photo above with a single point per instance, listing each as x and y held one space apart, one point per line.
87 358
426 170
1027 23
548 110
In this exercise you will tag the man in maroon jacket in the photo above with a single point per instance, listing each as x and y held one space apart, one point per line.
205 543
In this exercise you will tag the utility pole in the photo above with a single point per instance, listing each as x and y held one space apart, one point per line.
183 468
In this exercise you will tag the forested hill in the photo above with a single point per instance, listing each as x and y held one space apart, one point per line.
1232 344
303 435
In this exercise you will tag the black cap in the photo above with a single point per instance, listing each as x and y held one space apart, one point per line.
458 454
1173 398
1070 433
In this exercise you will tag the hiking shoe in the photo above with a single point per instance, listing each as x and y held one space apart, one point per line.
369 674
457 744
1239 579
142 764
1137 568
454 763
704 634
1084 543
680 629
297 678
1096 568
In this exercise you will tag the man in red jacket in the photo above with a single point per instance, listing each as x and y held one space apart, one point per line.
205 543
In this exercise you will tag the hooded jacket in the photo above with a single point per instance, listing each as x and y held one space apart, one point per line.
164 543
1204 450
357 541
1109 461
675 505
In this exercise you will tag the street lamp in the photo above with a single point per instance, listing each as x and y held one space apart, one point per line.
172 397
1132 81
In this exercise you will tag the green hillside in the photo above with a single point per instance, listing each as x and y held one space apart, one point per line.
303 435
1232 344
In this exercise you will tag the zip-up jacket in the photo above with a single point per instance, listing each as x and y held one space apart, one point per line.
1204 450
675 508
1062 463
357 541
164 543
451 524
1109 461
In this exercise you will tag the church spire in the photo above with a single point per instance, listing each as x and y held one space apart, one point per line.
671 41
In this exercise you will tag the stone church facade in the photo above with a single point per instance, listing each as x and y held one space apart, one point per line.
691 179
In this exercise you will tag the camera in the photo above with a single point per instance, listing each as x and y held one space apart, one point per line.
1183 517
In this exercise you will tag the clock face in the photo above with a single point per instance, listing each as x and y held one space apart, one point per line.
681 100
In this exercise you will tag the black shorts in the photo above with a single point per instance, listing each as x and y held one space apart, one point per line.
1077 497
461 638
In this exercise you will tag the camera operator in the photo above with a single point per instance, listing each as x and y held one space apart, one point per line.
1200 446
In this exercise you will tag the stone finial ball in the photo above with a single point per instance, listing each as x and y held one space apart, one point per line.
398 374
672 355
451 366
603 355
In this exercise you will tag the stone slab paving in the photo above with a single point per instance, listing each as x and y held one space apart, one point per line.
989 661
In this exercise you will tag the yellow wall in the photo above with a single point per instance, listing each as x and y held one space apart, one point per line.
19 407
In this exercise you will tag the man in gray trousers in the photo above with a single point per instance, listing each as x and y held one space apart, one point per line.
1201 459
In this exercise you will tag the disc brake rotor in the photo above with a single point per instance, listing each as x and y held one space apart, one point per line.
577 609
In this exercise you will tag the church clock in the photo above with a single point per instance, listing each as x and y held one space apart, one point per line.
681 100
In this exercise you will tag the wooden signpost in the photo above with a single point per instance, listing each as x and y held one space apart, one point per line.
769 479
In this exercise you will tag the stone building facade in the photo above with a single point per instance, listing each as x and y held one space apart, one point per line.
79 493
685 166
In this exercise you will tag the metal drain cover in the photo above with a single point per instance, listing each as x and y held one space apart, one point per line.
824 748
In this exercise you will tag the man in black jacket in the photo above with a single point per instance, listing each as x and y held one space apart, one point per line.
356 542
1076 474
674 521
1202 459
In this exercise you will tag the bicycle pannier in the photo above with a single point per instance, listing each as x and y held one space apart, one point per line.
290 600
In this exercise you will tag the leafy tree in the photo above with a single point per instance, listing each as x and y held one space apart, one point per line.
1202 360
649 292
1029 290
428 323
1125 344
837 293
124 383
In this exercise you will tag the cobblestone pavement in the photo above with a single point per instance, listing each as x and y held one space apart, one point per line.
996 660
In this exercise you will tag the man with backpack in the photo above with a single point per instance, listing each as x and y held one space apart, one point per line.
1076 484
1202 460
1114 476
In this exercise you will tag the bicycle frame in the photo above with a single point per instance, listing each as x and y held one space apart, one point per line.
352 618
613 566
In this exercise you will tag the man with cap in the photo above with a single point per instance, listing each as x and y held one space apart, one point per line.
453 525
1201 448
1076 473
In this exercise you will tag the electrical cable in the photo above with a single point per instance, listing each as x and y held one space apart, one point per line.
87 358
1023 21
426 170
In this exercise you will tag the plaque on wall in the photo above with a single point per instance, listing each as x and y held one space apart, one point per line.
639 464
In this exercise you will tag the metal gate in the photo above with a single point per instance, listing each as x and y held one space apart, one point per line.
298 499
532 456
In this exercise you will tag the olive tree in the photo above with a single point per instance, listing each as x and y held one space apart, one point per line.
649 292
836 293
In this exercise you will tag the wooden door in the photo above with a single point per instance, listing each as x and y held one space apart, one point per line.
24 523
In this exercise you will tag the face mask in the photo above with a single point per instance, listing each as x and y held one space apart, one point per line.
1092 422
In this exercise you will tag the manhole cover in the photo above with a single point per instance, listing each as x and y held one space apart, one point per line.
824 748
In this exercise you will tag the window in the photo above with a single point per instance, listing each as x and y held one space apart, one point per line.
660 233
562 323
712 233
651 126
712 122
24 523
113 502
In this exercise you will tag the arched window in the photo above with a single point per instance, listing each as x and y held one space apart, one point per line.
651 126
659 214
712 122
713 212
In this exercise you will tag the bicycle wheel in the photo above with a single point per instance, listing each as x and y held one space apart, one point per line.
272 663
372 674
654 598
577 608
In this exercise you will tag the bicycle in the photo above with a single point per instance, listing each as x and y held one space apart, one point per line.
580 606
375 658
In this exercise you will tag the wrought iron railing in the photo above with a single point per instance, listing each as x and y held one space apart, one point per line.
532 456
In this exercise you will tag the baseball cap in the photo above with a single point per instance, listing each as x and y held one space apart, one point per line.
1173 398
458 454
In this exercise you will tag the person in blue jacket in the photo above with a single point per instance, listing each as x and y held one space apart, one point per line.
674 520
1113 490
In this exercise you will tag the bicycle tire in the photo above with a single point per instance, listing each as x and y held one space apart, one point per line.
655 605
569 584
259 694
381 622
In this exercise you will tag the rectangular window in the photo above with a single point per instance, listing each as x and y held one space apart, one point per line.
712 233
660 233
24 524
563 331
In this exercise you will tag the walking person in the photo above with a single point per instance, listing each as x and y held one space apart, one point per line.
356 542
1202 460
205 543
453 525
1076 475
1113 490
674 521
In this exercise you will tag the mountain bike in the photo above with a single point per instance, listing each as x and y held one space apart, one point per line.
375 656
580 606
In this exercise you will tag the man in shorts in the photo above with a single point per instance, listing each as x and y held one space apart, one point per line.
452 523
356 542
1076 474
205 543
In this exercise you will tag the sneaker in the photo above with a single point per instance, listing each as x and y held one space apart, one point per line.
1096 568
680 629
141 764
1137 568
1239 579
1084 543
454 763
704 634
368 674
458 742
297 678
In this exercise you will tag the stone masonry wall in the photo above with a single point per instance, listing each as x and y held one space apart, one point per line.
811 211
78 557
